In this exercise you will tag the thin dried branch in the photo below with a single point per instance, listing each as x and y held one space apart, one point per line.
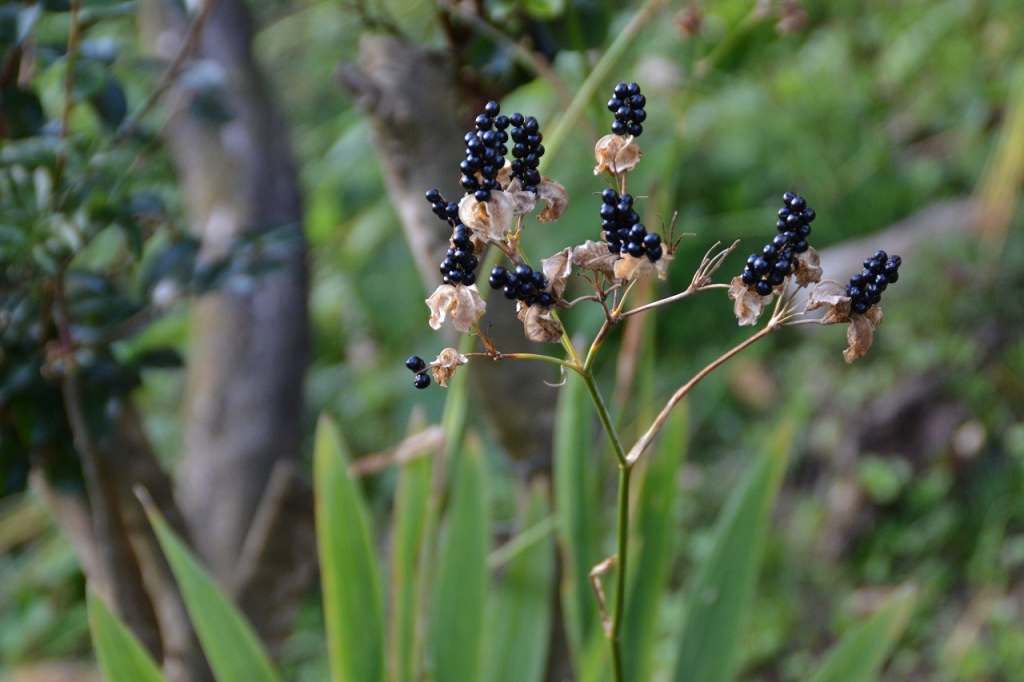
596 572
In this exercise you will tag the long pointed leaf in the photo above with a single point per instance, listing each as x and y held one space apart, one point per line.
353 610
231 645
654 534
724 586
411 502
859 655
461 594
120 656
521 612
579 512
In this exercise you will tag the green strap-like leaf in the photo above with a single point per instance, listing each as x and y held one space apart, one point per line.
120 656
520 613
724 587
411 500
456 634
859 655
353 610
654 536
579 512
228 640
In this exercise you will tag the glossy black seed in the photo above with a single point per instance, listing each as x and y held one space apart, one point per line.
770 253
619 127
421 380
893 277
635 249
615 246
482 194
775 278
501 122
608 212
804 230
779 241
855 292
526 289
518 135
416 364
483 122
808 215
545 299
881 255
637 233
637 101
469 183
468 279
794 221
530 188
639 115
748 277
790 237
635 129
761 266
433 196
655 253
782 226
610 196
857 280
524 271
613 104
534 140
539 280
652 240
531 126
455 276
452 209
531 160
623 113
783 267
751 259
800 247
783 213
510 291
860 307
763 288
633 89
788 197
797 204
492 108
621 90
470 263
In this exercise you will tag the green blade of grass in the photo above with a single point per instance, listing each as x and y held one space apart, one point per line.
353 610
579 512
654 534
232 647
859 655
121 657
411 500
724 587
521 611
461 590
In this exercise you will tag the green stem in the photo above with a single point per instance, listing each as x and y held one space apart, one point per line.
621 551
604 415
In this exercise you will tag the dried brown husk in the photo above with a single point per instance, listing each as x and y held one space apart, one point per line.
555 198
540 324
808 268
557 269
749 305
447 361
462 303
616 154
628 267
595 256
492 219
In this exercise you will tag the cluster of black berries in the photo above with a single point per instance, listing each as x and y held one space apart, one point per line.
777 260
419 368
526 150
865 289
485 152
622 228
628 106
522 284
460 263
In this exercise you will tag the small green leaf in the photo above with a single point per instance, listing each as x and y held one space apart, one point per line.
228 640
520 613
724 587
458 606
859 655
353 609
121 657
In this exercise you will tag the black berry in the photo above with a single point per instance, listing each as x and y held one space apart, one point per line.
421 380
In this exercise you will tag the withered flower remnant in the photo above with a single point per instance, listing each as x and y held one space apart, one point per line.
856 303
616 154
447 362
463 303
